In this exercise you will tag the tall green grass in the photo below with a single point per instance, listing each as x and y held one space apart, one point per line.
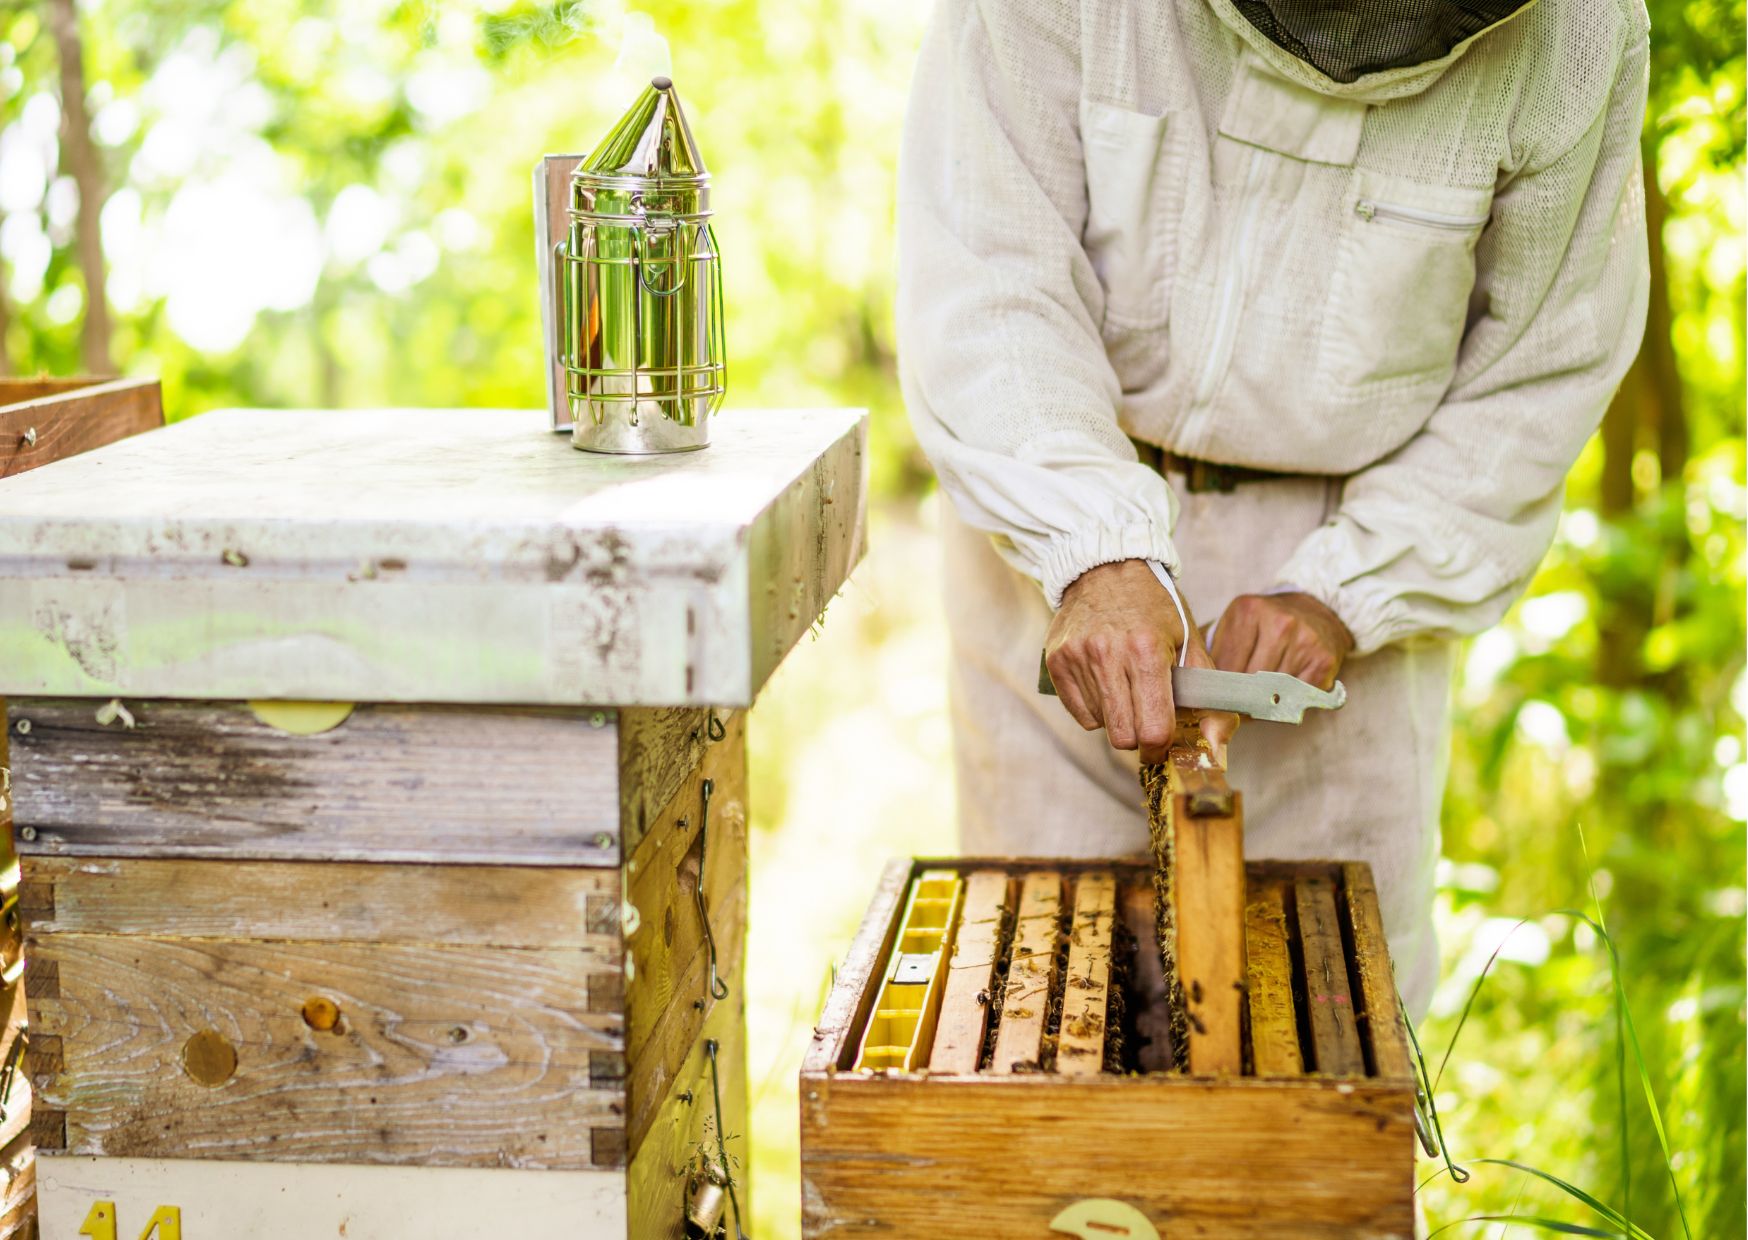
1628 1052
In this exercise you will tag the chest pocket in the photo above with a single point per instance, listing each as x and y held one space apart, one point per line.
1399 295
1128 186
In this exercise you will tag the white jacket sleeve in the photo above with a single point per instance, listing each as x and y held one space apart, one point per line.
1442 535
1002 365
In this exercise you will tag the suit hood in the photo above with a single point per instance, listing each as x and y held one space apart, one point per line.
1368 51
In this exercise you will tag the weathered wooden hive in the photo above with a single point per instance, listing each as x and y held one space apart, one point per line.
381 803
1007 1052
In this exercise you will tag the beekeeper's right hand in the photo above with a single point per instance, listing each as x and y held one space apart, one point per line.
1110 650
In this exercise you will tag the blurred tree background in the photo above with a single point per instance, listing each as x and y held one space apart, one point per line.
279 203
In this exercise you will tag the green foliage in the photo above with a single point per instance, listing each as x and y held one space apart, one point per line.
1608 708
348 185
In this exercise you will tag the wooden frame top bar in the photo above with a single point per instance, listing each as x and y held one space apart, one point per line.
1380 1031
450 555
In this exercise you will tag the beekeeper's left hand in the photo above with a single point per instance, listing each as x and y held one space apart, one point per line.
1292 633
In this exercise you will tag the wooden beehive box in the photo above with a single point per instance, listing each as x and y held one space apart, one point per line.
452 939
1045 1095
261 977
44 420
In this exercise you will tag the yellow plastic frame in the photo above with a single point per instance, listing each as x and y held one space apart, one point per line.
901 1028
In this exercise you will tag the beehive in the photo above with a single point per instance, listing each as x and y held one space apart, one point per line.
42 420
1048 1092
451 939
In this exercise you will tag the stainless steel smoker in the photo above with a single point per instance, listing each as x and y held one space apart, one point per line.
631 285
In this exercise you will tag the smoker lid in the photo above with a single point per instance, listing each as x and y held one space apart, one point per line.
651 142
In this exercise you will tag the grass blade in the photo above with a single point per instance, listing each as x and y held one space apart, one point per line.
1627 1226
1541 1224
1626 1018
1620 1038
1423 1086
1474 992
1626 1037
1625 1012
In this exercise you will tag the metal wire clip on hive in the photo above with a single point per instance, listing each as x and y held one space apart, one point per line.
640 288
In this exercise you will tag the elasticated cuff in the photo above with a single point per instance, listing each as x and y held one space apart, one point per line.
1073 554
1321 569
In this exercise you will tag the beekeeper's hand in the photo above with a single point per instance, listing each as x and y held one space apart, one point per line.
1110 650
1292 633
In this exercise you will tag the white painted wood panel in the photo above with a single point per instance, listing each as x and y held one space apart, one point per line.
426 555
225 1200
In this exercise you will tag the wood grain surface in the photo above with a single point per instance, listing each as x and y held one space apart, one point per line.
18 1189
1380 1011
974 1157
497 906
681 1136
1209 889
15 1104
1086 994
667 998
1270 928
791 580
840 1024
505 785
1274 1025
1031 974
70 416
1335 1038
17 1155
43 420
1195 827
965 1002
658 748
435 1049
17 388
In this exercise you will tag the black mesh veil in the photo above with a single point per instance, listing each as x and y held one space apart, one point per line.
1346 39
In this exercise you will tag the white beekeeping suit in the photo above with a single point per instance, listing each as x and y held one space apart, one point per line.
1400 262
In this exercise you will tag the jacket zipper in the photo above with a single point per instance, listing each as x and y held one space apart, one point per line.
1370 209
1232 284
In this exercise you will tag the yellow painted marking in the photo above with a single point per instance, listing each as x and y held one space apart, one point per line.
100 1223
302 718
166 1221
1101 1218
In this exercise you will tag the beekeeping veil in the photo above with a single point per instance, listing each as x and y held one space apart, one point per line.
1373 48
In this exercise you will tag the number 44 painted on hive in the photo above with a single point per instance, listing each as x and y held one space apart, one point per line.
101 1223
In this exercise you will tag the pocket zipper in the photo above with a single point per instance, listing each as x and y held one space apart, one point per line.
1369 209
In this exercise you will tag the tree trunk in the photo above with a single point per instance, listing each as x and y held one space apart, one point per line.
79 159
5 321
1620 439
1662 370
1648 412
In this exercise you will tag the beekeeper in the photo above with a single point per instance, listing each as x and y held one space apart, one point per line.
1308 305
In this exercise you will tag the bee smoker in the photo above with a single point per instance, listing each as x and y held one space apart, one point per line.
632 291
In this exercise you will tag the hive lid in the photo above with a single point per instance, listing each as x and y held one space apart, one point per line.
432 555
652 141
